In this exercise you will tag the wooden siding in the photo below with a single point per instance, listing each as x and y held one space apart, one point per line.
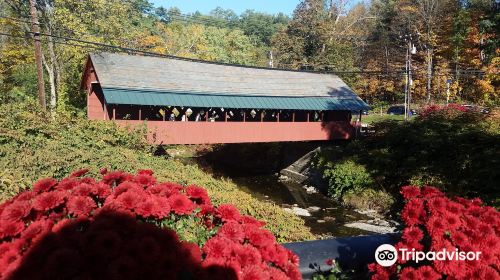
241 132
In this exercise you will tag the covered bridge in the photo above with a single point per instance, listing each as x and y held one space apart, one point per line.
195 102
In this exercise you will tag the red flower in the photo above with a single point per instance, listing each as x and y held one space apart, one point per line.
129 200
428 273
145 180
413 213
228 212
103 171
198 194
145 172
217 247
412 234
232 230
10 229
437 204
82 190
127 187
409 273
254 272
249 255
79 173
259 237
80 205
165 189
16 211
36 230
249 220
410 192
180 204
101 190
67 184
48 201
44 185
429 192
436 225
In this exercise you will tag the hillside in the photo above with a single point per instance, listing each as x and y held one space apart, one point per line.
33 145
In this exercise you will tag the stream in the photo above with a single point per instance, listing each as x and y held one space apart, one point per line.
327 218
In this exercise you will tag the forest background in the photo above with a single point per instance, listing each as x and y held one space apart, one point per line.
366 44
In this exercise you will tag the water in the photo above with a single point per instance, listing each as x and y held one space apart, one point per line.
328 221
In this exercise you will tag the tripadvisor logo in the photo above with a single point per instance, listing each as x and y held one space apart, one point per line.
387 255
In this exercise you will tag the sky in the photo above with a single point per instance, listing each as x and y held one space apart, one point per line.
239 6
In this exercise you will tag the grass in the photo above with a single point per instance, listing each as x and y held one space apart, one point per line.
374 118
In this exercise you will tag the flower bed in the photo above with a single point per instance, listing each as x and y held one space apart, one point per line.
122 227
435 222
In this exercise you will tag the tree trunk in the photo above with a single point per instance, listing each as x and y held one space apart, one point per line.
429 74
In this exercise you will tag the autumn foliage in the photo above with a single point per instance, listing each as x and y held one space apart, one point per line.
435 222
114 229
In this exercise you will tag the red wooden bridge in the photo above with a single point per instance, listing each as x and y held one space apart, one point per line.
194 102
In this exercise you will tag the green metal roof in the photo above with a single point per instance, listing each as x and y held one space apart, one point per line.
203 99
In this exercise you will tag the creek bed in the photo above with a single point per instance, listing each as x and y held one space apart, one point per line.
327 218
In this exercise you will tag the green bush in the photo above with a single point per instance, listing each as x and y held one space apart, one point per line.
346 176
369 199
35 145
455 151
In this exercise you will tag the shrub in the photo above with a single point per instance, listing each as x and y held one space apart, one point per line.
455 151
33 145
434 222
122 227
369 199
346 176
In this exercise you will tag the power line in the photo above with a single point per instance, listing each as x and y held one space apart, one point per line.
103 46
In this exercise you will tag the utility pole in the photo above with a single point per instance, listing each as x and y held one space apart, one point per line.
271 59
410 49
38 54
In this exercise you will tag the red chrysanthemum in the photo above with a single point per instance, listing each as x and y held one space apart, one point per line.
254 272
437 204
44 185
80 205
165 189
409 273
428 273
16 211
259 237
102 191
413 213
145 180
103 171
79 173
82 189
36 230
249 220
198 194
412 234
180 204
410 192
232 230
228 212
217 247
429 192
249 255
67 184
48 201
10 229
129 200
145 172
127 187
